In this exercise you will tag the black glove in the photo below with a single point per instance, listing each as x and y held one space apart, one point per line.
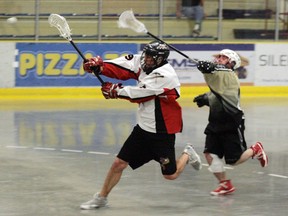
205 66
201 100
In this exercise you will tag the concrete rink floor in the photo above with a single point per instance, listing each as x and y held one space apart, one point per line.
55 154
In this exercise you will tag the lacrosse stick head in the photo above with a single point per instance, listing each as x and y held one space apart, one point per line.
128 20
61 24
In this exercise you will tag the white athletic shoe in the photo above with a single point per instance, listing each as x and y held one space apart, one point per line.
194 158
96 202
196 30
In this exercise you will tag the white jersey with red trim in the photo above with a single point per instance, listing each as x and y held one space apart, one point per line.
156 93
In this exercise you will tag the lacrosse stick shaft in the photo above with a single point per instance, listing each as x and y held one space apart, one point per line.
128 20
83 57
61 24
77 49
172 47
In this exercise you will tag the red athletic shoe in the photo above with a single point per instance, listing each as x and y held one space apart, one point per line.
260 154
225 187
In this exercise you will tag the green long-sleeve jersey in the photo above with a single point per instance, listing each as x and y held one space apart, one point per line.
224 101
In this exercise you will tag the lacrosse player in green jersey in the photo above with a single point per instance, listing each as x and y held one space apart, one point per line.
225 130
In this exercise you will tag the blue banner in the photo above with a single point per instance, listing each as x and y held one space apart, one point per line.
59 64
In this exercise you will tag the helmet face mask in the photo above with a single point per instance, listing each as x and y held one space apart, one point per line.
233 57
158 51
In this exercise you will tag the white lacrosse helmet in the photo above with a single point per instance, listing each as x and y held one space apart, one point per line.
233 57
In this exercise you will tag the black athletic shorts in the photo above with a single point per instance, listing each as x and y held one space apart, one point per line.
230 145
142 146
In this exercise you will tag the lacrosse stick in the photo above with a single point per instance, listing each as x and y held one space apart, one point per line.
61 24
128 20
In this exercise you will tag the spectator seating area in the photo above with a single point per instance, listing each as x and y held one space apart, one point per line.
89 23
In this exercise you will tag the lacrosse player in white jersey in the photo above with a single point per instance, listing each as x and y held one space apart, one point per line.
159 115
225 130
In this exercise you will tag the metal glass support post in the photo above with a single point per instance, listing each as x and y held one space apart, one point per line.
220 19
99 27
160 24
36 21
277 20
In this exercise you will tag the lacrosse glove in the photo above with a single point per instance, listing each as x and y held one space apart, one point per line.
201 100
94 64
205 66
110 90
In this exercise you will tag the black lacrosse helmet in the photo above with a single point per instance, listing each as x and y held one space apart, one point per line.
159 51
